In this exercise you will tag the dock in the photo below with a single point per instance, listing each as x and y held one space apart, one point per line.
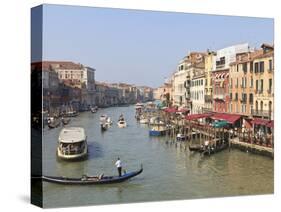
249 147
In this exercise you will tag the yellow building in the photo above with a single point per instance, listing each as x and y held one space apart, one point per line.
251 83
210 61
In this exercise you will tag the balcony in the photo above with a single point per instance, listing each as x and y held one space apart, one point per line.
208 98
262 113
219 96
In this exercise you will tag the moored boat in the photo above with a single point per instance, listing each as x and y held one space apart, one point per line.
157 131
53 123
122 124
72 143
89 180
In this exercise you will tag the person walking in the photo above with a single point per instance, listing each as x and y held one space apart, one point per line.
118 164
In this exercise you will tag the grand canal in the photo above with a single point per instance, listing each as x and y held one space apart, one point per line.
170 171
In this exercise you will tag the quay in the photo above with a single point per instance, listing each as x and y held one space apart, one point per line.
251 147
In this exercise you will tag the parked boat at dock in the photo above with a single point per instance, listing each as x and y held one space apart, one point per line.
72 143
157 131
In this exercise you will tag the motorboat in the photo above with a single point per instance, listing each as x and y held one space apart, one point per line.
122 124
72 143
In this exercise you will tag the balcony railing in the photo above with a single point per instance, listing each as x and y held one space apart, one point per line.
208 98
219 96
263 113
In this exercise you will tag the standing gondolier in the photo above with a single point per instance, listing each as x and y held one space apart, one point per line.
118 164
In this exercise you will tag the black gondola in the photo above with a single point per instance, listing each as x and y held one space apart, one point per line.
87 180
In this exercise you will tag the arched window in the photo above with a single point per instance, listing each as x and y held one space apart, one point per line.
261 106
257 106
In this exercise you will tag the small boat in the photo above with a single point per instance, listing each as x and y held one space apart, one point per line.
88 180
71 113
53 123
195 147
157 131
94 109
65 121
104 127
72 143
143 120
122 124
181 137
103 118
211 149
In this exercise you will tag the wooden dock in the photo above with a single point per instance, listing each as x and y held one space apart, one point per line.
257 149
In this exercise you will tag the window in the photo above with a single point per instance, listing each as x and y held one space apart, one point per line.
236 96
261 89
245 67
269 85
257 85
252 82
237 67
251 66
270 65
262 67
261 105
245 82
256 67
230 96
251 98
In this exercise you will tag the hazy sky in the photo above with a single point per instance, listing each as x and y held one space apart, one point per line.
141 47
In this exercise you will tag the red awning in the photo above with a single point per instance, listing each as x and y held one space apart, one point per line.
270 124
230 118
183 110
171 110
259 121
198 116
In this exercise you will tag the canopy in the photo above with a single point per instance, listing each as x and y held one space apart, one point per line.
230 118
171 110
220 124
270 124
259 121
198 116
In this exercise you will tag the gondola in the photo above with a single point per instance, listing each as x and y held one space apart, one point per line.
103 127
194 147
88 180
213 150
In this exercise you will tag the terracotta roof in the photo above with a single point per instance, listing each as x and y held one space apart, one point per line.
49 65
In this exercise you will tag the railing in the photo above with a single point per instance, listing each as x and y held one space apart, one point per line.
263 113
208 98
218 96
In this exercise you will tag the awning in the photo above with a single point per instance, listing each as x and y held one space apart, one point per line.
182 110
220 124
171 110
270 124
230 118
198 116
259 121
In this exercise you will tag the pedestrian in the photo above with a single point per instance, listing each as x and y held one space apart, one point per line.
118 164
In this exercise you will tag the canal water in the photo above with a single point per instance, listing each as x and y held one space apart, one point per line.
171 172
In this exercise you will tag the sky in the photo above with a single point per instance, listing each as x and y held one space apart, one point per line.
141 47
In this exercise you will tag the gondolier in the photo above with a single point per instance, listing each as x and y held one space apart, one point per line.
118 164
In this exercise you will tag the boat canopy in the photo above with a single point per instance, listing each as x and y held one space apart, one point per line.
72 135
